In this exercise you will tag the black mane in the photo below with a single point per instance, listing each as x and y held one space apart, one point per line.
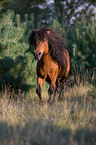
55 42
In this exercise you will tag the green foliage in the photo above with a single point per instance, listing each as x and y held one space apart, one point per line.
16 67
83 42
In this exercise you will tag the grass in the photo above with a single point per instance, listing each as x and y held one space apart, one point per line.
70 122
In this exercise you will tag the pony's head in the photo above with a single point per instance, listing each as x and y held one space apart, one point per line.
39 39
46 40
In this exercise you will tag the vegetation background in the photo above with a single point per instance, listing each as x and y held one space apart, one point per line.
22 120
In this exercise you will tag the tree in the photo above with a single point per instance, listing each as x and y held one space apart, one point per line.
71 11
16 67
66 11
23 6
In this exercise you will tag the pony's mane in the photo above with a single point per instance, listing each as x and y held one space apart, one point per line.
56 43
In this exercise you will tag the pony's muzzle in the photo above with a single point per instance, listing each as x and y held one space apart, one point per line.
37 55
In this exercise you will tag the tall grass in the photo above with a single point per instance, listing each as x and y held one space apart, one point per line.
70 122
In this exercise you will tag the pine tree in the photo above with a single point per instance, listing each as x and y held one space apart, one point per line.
16 67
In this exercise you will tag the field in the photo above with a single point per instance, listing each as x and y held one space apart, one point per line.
69 122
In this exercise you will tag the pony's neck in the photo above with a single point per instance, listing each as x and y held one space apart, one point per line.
47 58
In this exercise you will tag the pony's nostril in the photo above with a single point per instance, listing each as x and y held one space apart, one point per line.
39 53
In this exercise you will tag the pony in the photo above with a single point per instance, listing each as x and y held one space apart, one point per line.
53 62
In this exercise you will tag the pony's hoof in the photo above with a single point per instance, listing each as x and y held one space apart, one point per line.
53 100
50 102
41 103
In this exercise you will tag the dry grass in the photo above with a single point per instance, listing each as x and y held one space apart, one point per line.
70 122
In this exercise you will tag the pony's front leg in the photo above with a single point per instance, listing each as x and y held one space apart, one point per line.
38 89
52 90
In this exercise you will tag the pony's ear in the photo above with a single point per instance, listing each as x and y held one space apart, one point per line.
48 32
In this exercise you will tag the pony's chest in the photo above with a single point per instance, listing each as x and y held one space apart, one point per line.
48 68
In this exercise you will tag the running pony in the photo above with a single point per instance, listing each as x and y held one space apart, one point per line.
53 63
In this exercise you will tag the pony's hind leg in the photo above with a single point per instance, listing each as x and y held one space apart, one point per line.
61 95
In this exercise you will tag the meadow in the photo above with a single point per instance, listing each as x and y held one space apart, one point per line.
69 122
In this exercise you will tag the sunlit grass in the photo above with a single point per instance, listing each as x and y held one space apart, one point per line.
72 121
